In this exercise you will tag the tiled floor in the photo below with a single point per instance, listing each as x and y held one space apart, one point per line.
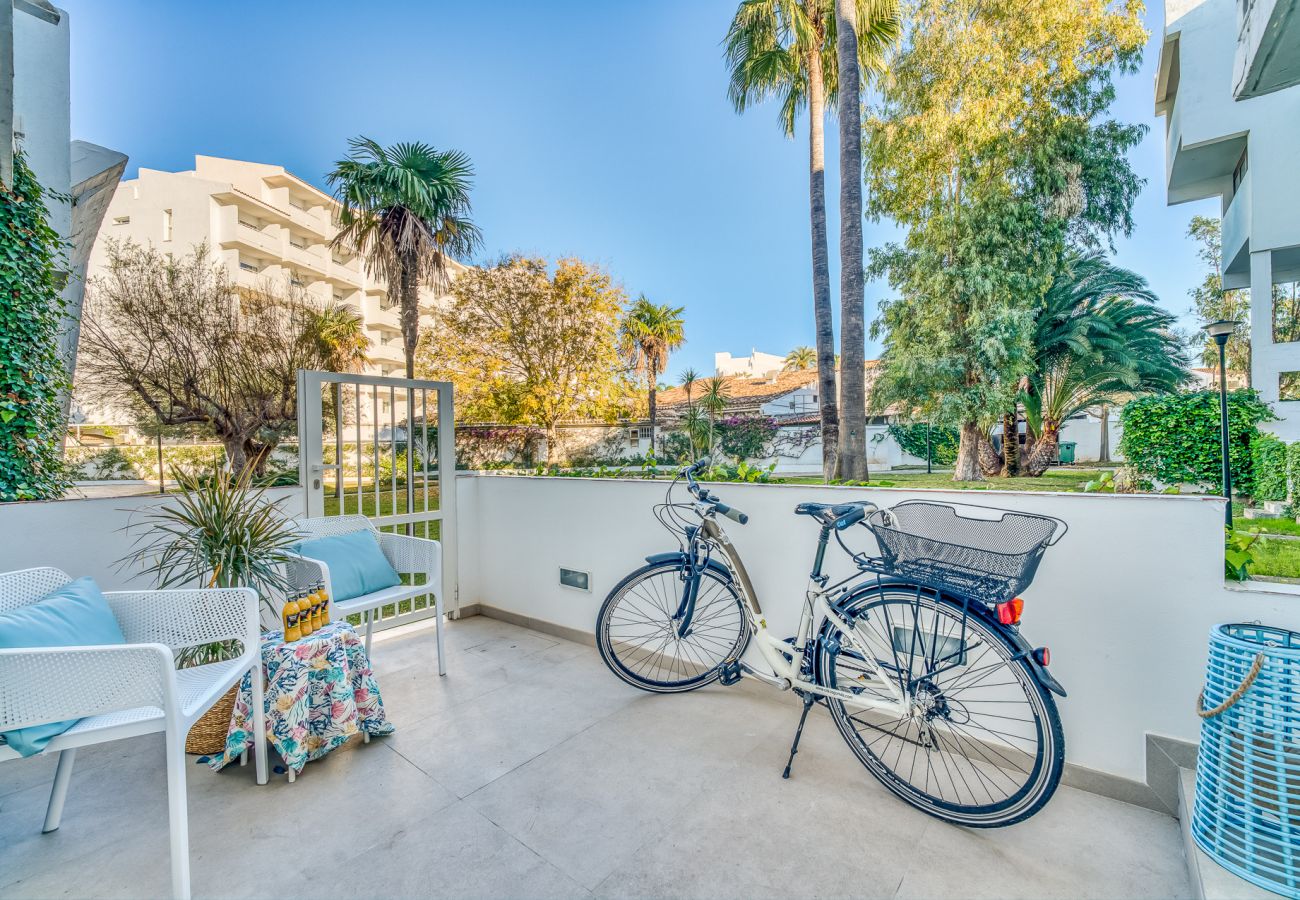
529 771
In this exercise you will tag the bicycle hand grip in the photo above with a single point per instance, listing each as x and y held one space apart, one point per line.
734 515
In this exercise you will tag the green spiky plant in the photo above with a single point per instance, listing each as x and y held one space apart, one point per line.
220 531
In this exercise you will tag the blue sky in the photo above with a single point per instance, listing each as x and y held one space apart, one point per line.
598 129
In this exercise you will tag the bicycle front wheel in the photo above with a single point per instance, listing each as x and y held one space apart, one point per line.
638 629
981 744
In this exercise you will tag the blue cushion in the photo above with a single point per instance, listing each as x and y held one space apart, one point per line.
75 615
357 565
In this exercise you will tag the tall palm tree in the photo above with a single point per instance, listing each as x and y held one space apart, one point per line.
406 209
800 359
648 333
713 400
786 49
864 31
1099 339
687 380
338 334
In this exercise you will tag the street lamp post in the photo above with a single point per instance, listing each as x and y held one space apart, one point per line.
1221 331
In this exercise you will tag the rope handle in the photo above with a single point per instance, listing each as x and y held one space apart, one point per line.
1256 667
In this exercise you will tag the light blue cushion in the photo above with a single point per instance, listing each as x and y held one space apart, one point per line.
357 565
75 615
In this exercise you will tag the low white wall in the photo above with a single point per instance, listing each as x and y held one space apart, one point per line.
87 537
1125 601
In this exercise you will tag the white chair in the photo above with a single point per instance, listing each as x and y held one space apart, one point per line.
130 689
408 555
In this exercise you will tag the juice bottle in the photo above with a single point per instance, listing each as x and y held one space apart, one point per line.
324 606
292 631
304 613
317 606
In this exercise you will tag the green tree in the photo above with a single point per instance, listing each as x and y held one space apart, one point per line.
338 337
713 401
864 31
1211 302
406 209
990 145
525 347
648 333
1099 339
800 359
32 376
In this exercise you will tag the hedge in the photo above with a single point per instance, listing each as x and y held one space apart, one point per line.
1175 437
943 441
32 377
1293 469
1269 459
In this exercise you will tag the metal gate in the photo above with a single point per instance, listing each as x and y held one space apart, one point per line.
378 447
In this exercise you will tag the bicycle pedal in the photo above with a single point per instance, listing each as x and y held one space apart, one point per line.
730 672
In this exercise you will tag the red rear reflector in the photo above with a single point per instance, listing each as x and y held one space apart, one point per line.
1043 657
1009 612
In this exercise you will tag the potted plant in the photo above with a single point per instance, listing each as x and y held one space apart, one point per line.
219 531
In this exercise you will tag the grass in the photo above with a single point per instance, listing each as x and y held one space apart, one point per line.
1063 479
1267 526
1276 559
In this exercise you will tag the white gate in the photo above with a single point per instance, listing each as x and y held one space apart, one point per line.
379 447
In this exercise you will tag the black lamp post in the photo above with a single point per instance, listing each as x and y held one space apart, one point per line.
1221 331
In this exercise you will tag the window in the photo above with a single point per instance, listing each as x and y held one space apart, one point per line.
1288 386
122 220
1239 171
1286 312
167 225
295 281
300 243
250 223
248 266
298 204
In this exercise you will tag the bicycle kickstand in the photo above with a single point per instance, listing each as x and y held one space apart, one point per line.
808 701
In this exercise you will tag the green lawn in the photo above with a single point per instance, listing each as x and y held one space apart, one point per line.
1063 479
1274 557
1267 526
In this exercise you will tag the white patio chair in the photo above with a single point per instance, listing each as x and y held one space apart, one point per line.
125 690
408 555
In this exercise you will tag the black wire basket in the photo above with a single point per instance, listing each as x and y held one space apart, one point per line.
987 559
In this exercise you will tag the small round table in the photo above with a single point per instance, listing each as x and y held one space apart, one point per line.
320 691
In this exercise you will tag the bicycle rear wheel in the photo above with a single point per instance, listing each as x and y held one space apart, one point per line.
981 744
637 629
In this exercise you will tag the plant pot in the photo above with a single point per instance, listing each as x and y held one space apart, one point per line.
208 736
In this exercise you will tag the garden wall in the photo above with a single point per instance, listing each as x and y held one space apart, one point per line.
1125 601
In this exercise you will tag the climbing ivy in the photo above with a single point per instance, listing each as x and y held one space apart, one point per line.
32 377
943 441
1175 437
1268 457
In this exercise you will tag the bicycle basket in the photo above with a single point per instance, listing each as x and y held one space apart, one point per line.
986 559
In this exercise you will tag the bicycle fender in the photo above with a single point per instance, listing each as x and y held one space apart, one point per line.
678 557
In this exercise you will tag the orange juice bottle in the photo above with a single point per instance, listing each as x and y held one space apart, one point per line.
304 613
317 604
324 606
292 630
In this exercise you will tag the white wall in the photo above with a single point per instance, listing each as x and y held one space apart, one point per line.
1125 601
87 537
42 107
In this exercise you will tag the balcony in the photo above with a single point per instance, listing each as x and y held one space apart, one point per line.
308 260
1268 48
1236 236
386 352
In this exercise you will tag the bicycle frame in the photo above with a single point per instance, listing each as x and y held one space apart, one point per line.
783 657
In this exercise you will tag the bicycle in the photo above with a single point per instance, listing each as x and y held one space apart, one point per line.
917 654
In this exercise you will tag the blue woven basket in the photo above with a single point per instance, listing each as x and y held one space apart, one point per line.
1247 813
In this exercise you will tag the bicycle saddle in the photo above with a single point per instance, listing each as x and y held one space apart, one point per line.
837 515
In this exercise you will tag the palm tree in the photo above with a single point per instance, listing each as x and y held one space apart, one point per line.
800 359
405 208
864 31
786 49
713 400
687 380
648 333
1099 339
338 335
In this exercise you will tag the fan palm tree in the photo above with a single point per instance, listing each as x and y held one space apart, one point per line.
1099 338
800 359
864 31
405 209
337 333
648 333
786 50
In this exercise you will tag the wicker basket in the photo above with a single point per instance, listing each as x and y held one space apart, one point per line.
208 736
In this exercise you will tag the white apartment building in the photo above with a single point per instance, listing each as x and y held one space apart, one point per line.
756 365
267 225
1228 86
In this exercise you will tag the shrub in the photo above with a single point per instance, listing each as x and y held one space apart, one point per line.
32 376
1293 470
675 447
746 437
943 441
1269 460
1175 437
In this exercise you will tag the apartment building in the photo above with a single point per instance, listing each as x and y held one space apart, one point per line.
1228 87
265 224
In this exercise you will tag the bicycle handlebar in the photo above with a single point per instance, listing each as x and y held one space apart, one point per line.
734 515
704 496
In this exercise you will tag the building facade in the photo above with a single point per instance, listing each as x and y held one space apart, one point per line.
267 226
1228 87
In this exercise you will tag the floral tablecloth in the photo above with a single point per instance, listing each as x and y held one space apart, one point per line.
319 692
